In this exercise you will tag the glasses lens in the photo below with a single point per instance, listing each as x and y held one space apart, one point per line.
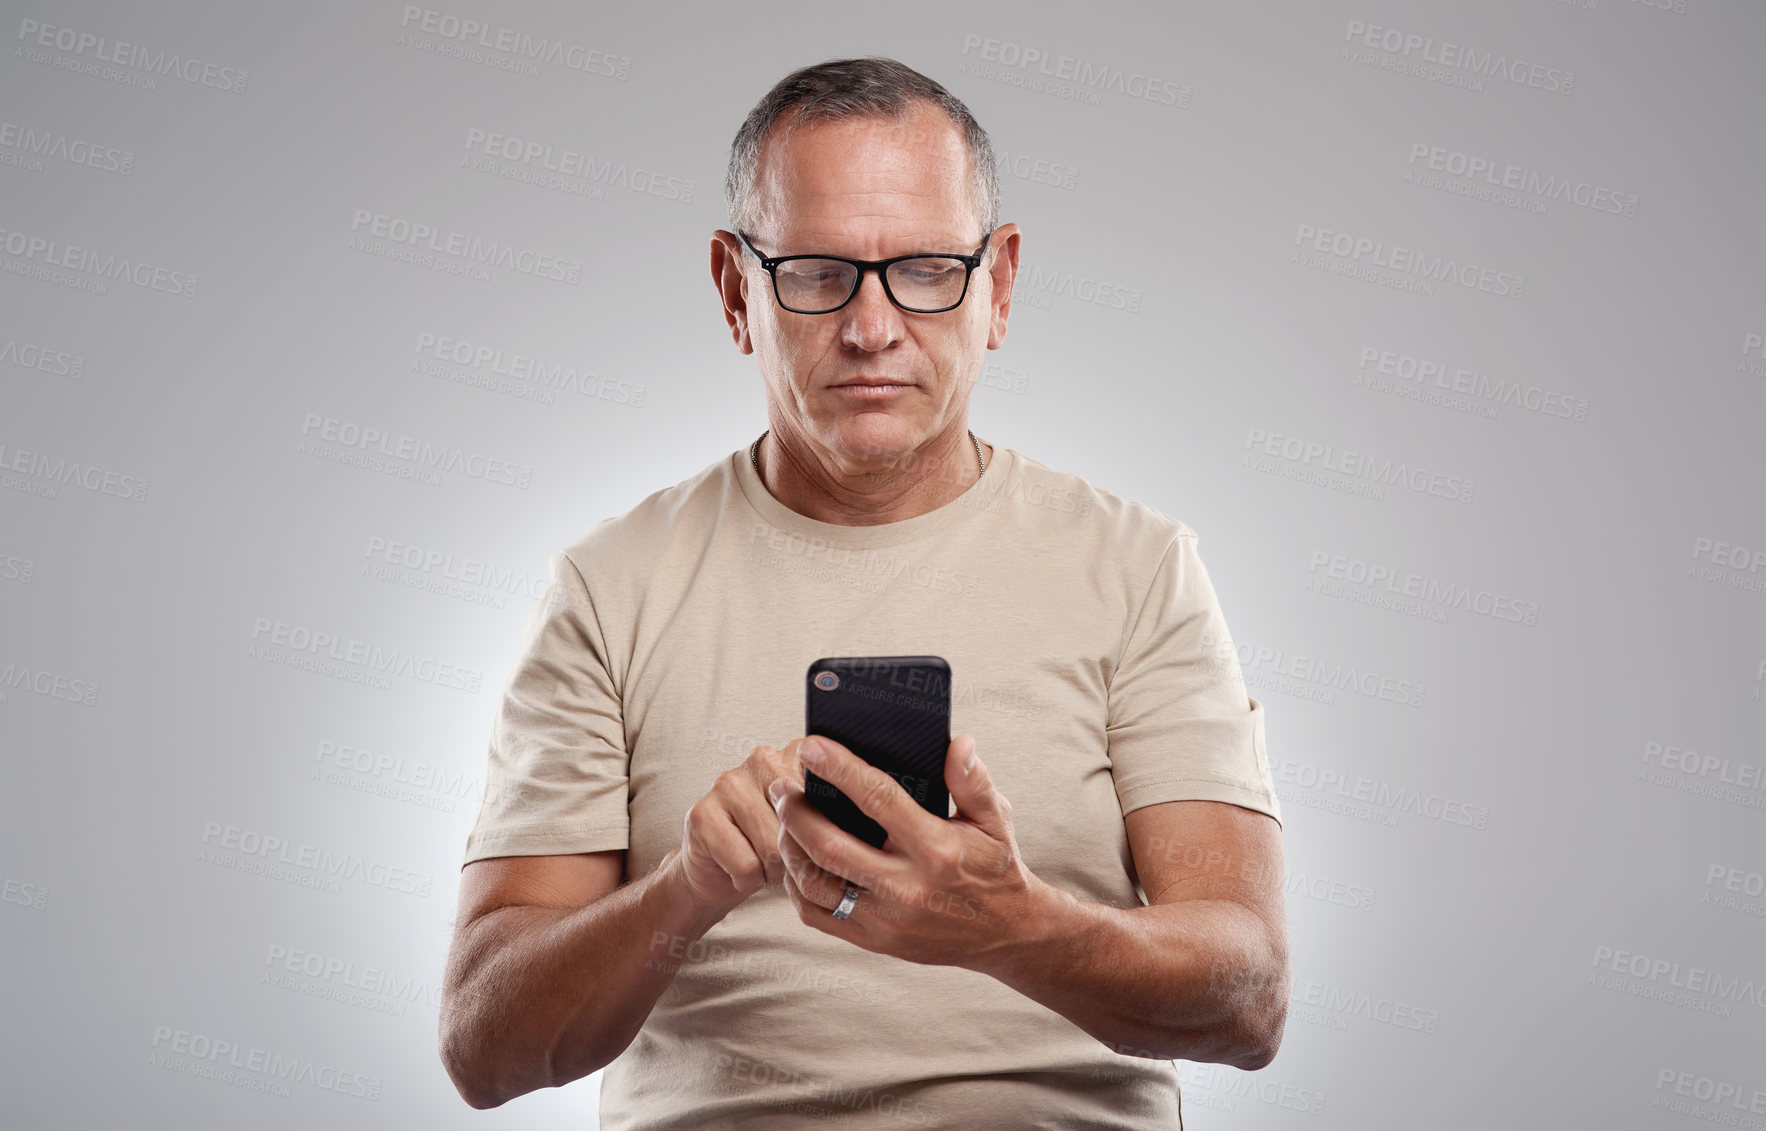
814 285
928 283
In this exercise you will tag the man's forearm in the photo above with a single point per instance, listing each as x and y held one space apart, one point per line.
536 997
1202 979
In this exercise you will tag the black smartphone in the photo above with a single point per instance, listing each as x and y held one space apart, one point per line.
892 711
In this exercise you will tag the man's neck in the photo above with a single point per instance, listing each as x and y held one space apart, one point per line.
796 476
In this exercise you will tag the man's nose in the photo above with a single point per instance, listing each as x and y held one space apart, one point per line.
871 318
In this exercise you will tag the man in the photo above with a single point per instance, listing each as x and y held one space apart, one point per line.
646 889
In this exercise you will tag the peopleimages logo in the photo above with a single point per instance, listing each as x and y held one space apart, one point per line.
375 232
42 358
1037 170
250 850
1358 466
1479 392
394 771
298 646
1729 554
26 146
1455 60
1753 355
1729 564
24 571
1338 787
514 44
1040 284
48 684
1734 889
567 166
1262 659
501 370
441 572
1502 175
1743 775
1233 1083
340 980
1711 1094
35 473
1085 76
130 56
1338 568
1333 1006
1353 896
35 255
1693 982
225 1061
1375 261
34 896
327 436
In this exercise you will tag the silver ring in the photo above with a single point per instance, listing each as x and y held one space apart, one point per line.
847 902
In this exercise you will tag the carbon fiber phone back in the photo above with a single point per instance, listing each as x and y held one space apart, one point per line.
892 711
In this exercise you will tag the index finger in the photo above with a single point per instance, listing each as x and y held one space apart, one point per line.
877 795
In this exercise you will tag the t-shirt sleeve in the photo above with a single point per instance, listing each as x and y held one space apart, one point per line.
556 778
1181 724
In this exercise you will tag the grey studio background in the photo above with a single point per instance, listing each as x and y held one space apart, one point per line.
1442 323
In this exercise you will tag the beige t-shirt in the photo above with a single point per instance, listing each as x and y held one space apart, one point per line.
1085 645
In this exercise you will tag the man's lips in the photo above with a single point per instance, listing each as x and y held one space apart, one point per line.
868 382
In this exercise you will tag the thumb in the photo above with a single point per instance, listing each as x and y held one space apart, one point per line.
971 787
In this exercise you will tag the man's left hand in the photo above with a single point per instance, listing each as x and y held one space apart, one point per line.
945 892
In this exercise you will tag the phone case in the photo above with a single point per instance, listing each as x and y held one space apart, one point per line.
892 711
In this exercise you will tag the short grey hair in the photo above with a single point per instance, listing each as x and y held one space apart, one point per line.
842 89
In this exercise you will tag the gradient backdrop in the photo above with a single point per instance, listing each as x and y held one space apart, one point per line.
323 324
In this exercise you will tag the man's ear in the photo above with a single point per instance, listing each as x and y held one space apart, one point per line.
732 285
1003 270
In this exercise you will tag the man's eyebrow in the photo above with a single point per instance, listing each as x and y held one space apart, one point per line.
923 247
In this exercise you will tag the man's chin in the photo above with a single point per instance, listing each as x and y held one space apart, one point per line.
878 436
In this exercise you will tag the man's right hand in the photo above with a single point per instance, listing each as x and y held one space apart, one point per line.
555 967
730 843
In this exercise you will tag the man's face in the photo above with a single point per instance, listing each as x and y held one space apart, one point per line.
868 189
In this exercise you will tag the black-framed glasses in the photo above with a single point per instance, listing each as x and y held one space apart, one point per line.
822 284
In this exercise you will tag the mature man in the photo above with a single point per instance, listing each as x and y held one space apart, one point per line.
646 889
